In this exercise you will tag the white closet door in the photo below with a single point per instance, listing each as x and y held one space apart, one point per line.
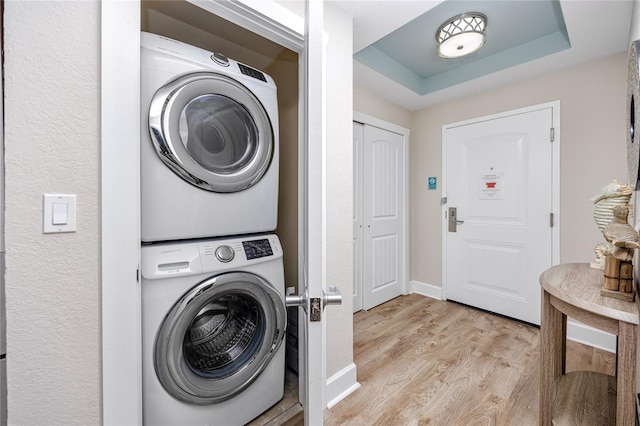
383 204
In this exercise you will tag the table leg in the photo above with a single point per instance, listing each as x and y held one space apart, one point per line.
552 351
626 380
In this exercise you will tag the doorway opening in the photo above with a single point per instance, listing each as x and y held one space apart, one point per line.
501 185
188 23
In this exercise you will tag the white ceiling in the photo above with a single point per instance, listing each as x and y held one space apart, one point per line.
596 29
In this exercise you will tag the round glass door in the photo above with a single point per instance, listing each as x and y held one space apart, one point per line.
218 133
212 131
219 337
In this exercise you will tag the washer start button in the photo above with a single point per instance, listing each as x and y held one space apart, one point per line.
225 254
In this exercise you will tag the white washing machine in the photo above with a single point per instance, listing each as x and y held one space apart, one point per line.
209 154
213 323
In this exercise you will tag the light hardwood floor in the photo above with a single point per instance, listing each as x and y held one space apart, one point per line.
426 362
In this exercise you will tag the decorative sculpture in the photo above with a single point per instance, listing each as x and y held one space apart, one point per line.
612 195
616 254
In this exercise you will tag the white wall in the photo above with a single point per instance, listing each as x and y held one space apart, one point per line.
369 103
52 52
634 33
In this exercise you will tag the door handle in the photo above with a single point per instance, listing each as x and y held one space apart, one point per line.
317 304
453 219
334 297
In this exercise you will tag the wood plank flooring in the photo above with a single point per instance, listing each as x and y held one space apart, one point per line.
426 362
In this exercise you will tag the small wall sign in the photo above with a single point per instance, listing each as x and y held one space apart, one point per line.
433 181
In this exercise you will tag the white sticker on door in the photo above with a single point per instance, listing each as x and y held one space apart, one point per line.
490 186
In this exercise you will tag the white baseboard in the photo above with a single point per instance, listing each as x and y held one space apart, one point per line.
340 385
590 336
429 290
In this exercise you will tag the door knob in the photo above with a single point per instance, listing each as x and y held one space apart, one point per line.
296 299
334 297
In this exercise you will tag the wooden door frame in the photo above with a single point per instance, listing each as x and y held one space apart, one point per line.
120 178
404 132
555 179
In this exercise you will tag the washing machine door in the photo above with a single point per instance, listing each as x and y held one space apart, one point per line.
212 131
219 337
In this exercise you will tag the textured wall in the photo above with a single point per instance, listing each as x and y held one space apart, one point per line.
52 51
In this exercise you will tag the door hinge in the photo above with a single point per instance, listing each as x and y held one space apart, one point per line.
552 134
551 220
138 275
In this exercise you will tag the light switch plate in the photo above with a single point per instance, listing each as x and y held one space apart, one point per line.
53 215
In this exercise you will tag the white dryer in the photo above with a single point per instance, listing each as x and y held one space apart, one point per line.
213 322
209 154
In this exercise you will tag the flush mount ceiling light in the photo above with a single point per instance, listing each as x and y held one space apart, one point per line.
461 35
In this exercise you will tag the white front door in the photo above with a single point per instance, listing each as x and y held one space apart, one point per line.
382 216
499 178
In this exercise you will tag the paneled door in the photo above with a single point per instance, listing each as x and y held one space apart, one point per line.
499 222
379 225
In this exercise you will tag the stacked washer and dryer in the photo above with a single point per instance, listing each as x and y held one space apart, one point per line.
213 292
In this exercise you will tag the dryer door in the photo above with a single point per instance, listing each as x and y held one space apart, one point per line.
211 131
219 337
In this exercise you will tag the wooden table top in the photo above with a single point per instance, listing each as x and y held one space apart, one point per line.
579 285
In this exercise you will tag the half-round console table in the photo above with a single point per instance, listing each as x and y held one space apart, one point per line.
585 397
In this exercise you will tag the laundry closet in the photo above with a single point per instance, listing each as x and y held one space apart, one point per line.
189 24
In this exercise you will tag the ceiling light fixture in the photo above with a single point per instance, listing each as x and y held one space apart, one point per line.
461 35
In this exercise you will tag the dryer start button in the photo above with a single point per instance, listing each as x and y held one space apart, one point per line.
225 254
220 59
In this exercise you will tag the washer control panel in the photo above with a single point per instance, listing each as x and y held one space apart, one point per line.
256 249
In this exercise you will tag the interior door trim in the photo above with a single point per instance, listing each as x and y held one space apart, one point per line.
120 197
405 133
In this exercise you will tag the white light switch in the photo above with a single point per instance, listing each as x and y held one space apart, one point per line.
59 213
